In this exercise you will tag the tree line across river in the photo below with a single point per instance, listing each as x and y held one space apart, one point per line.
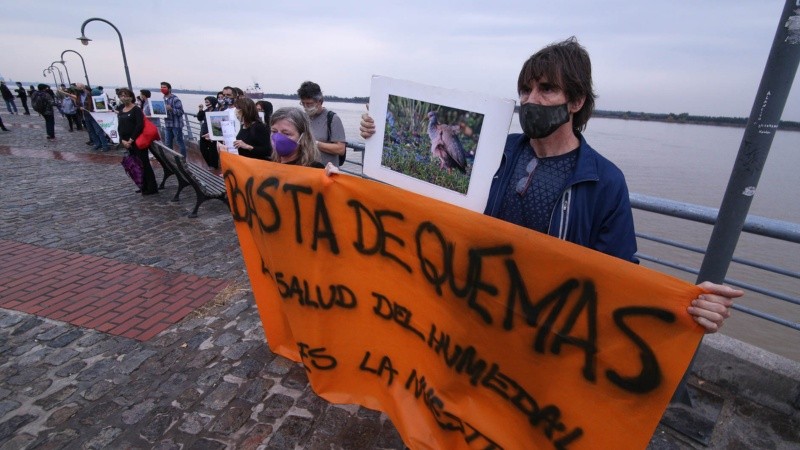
740 122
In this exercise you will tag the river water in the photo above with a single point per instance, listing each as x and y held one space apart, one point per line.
689 163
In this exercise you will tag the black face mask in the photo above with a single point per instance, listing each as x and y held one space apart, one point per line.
539 121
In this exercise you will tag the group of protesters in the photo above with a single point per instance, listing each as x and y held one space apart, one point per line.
309 136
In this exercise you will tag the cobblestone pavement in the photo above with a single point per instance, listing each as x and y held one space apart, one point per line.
210 380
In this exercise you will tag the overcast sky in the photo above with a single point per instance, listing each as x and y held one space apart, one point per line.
701 57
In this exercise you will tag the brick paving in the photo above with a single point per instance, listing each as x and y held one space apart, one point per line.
101 293
209 380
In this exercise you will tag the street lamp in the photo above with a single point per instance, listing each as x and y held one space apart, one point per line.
83 63
51 72
65 69
60 75
85 41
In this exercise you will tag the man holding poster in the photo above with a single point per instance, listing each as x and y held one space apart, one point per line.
550 179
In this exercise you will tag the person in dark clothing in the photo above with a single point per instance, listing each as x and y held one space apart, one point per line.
130 126
49 119
266 108
208 148
2 125
8 97
252 140
23 97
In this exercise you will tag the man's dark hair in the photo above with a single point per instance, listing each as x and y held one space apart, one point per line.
145 93
566 65
169 86
309 89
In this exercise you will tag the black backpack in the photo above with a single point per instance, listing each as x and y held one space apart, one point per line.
39 102
330 119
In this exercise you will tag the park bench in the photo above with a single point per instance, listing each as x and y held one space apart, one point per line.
206 185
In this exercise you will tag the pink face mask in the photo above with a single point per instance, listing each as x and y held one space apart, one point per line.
164 91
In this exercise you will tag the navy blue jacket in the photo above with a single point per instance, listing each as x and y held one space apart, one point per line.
594 210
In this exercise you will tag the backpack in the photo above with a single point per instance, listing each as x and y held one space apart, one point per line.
330 119
39 102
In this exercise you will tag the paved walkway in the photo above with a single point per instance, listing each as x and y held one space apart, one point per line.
125 324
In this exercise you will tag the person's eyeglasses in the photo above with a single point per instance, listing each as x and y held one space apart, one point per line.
524 183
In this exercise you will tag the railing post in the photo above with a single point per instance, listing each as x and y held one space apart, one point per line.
762 125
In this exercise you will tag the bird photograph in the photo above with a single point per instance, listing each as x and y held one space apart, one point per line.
430 142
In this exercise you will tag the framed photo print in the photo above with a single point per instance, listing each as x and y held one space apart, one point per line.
215 120
437 142
158 108
100 103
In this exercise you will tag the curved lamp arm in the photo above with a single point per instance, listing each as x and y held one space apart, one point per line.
85 41
85 74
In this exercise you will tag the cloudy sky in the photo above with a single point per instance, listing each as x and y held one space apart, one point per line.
701 57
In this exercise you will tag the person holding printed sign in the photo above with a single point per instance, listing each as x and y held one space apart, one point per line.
550 179
252 140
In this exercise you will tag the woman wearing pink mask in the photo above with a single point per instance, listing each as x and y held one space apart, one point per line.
292 142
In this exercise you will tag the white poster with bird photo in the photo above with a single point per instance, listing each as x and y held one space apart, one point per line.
441 143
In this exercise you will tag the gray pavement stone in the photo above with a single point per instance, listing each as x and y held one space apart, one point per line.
65 339
57 358
256 435
9 320
56 398
231 420
62 414
226 339
137 412
4 393
195 422
27 375
275 407
237 350
70 369
18 442
98 390
131 361
37 388
221 396
157 427
51 334
290 433
7 406
210 376
247 368
256 391
103 439
9 426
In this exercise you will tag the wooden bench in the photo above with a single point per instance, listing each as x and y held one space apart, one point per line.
206 185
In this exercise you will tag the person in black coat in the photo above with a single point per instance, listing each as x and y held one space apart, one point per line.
23 97
130 125
208 148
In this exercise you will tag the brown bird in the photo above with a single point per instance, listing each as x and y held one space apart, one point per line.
445 144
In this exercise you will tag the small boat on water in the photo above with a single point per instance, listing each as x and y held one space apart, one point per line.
254 92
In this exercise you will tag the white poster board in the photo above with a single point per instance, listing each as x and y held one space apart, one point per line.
108 121
441 143
158 108
100 103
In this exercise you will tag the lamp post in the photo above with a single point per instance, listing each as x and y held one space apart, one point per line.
60 75
65 69
85 41
85 74
52 73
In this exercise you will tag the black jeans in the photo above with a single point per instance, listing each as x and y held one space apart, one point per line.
50 125
149 183
73 119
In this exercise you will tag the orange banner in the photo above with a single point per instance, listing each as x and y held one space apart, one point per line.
467 331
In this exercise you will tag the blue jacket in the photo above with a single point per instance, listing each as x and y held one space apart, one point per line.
594 211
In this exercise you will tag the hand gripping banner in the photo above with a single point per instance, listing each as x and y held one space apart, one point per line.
468 332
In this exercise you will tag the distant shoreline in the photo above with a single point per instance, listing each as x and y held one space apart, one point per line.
682 118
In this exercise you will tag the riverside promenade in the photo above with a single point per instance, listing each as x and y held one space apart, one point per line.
124 324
